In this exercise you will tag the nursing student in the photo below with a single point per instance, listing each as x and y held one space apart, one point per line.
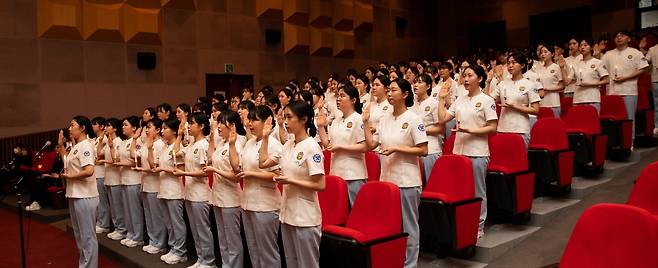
344 139
476 119
302 169
402 137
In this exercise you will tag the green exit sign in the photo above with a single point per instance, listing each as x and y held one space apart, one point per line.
228 68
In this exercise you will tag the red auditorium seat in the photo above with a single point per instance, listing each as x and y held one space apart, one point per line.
611 236
327 162
644 192
586 140
334 202
644 117
449 144
510 184
545 112
43 163
616 125
565 105
449 212
373 234
373 166
549 156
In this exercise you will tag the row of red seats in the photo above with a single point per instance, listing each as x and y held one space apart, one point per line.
615 235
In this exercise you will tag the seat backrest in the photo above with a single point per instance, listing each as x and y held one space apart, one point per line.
373 166
449 144
44 162
565 106
613 107
334 202
644 192
583 117
327 161
545 112
452 175
376 211
551 132
612 235
508 150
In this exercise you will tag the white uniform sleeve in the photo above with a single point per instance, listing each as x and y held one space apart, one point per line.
203 153
602 69
641 61
434 108
86 155
315 160
453 107
533 94
494 91
490 110
274 149
357 130
418 132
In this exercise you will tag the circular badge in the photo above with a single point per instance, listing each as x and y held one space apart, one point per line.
317 158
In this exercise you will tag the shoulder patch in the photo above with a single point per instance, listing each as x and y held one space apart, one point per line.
300 155
630 57
478 105
317 158
349 124
521 88
385 108
593 66
86 153
552 71
427 108
405 125
421 127
493 107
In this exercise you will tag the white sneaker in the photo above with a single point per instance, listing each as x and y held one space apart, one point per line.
116 236
174 259
133 243
33 207
146 248
166 256
100 230
196 265
154 250
124 241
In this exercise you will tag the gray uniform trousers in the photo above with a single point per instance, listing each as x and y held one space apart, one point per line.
133 212
198 213
115 194
228 234
302 245
103 211
83 220
409 201
176 229
153 210
261 231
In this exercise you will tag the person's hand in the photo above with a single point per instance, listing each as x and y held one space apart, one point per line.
267 127
596 50
279 116
334 148
365 116
281 179
389 150
178 172
560 61
244 175
60 138
498 72
619 79
321 118
181 129
157 169
208 169
149 142
232 136
444 92
137 133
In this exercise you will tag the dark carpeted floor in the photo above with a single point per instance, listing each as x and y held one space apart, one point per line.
46 246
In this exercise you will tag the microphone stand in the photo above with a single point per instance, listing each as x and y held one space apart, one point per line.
19 205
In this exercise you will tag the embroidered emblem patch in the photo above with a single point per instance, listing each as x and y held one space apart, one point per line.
317 158
300 155
385 108
552 71
630 57
75 152
224 152
405 125
493 107
86 153
349 124
521 88
427 109
593 66
478 105
421 127
196 151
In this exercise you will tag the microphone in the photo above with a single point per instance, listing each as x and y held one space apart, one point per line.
45 145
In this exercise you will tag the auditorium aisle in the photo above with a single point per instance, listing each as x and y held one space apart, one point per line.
541 240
